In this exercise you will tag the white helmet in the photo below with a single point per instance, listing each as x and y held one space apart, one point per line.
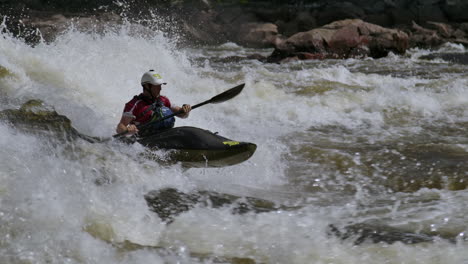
152 78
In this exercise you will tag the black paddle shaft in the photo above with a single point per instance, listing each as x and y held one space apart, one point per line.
222 97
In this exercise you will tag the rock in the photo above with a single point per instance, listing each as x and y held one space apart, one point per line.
464 27
460 58
4 72
347 38
401 16
303 21
272 13
286 28
235 59
313 56
364 232
424 38
459 34
252 24
217 26
202 28
427 11
50 25
444 30
425 41
456 10
257 35
384 19
311 41
372 6
169 202
38 118
308 56
344 39
231 19
235 16
418 29
464 42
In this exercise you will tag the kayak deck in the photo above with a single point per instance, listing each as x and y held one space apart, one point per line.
195 147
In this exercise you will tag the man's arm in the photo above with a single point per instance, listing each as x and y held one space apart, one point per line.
185 108
124 125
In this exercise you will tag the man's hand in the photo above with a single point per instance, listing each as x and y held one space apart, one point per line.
132 129
186 108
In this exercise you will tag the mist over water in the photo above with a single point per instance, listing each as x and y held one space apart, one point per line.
348 141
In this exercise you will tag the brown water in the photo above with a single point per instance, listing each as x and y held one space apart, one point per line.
379 142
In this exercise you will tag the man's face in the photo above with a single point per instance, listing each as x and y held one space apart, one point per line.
155 89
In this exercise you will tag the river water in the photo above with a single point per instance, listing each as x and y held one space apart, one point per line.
379 141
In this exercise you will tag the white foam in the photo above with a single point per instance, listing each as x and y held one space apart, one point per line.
49 196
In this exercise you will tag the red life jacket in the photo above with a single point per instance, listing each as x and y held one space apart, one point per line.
140 108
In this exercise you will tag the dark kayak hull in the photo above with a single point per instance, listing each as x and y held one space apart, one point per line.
195 147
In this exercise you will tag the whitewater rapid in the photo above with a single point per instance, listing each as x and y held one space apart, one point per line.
52 210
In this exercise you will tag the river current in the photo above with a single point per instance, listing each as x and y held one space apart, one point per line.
380 141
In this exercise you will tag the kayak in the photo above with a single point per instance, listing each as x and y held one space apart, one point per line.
195 147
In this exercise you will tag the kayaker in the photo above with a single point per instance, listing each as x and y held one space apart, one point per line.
148 106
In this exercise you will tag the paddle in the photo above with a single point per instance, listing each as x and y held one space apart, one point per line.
222 97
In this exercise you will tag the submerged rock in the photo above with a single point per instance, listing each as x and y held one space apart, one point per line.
363 232
460 58
4 72
169 202
38 118
258 35
237 59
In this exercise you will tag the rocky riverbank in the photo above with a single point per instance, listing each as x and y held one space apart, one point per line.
296 31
